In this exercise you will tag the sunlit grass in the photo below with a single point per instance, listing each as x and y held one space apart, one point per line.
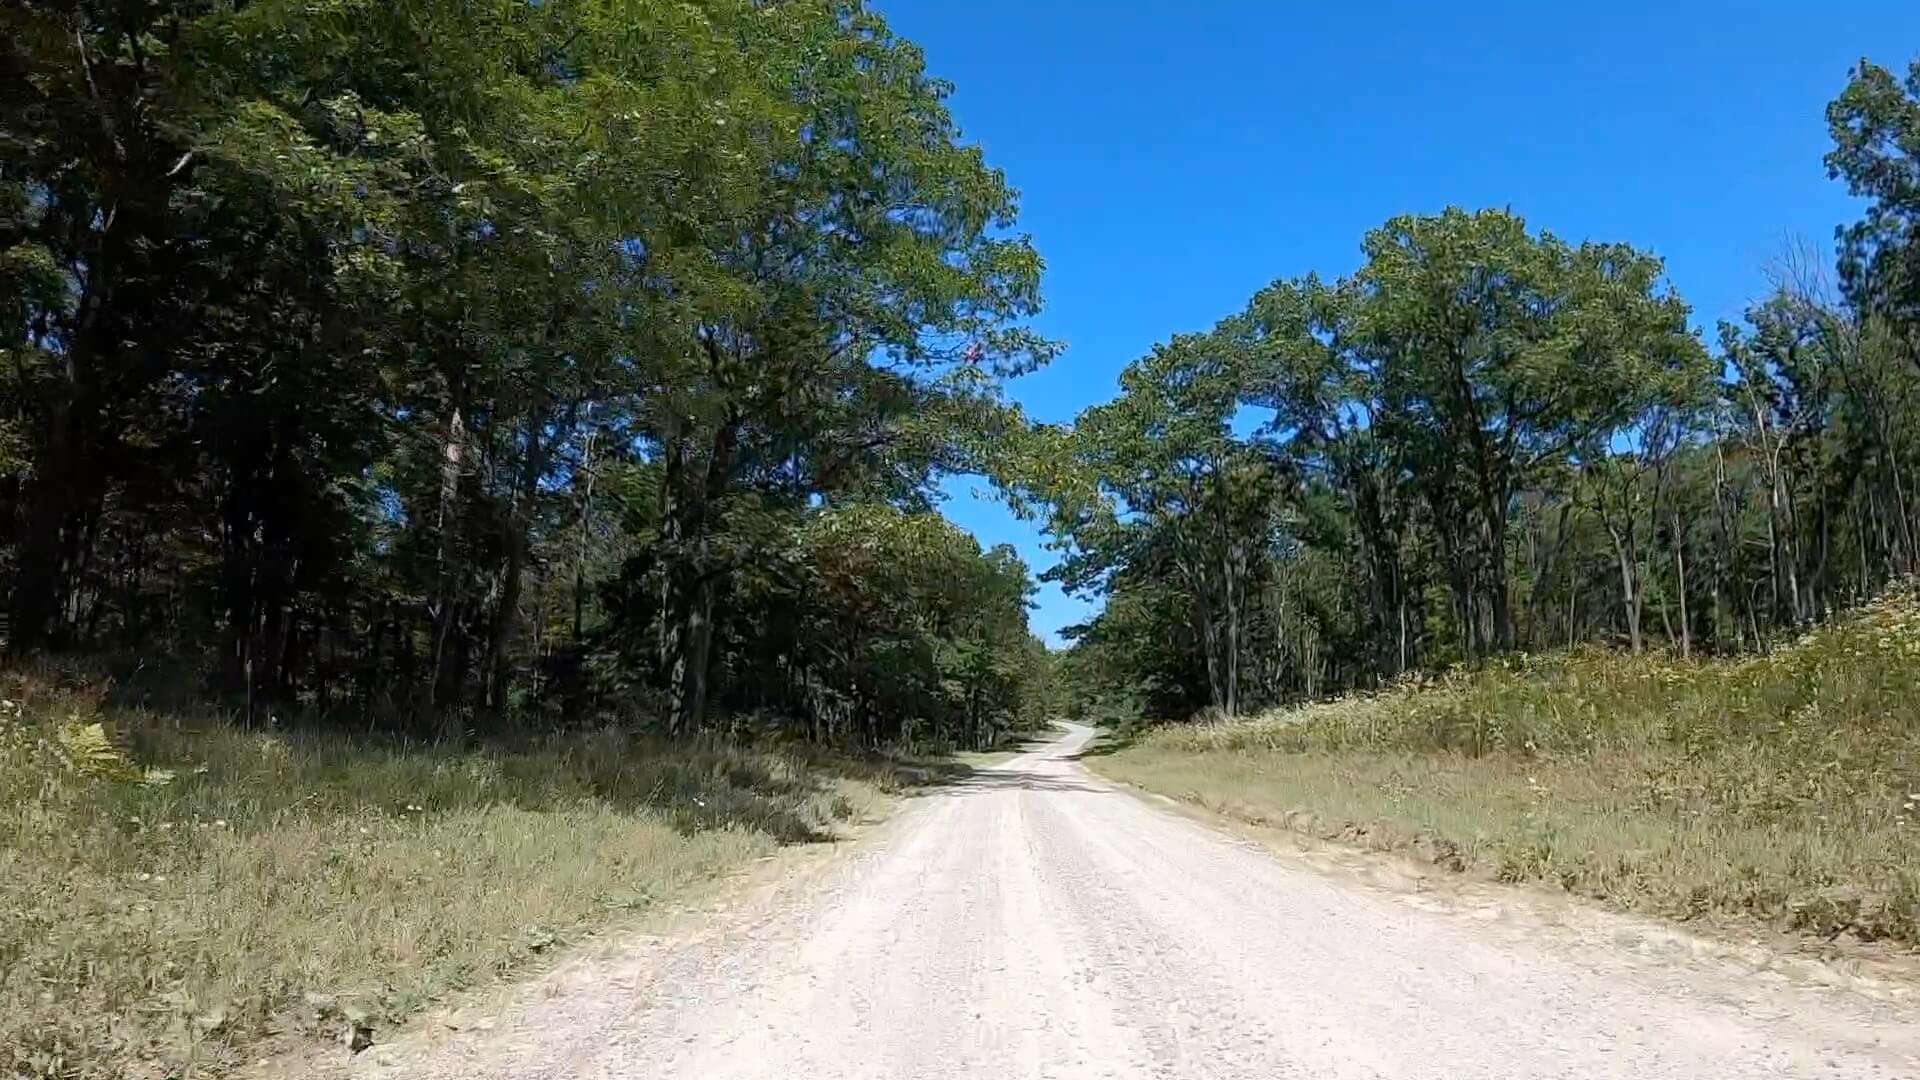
1785 787
197 886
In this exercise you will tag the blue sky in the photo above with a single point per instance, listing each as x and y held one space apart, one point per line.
1173 158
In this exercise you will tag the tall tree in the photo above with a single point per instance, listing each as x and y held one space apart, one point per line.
1875 124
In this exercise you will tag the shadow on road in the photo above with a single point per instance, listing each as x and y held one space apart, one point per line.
947 775
1104 743
987 780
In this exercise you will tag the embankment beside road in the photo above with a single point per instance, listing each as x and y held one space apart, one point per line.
175 889
1784 787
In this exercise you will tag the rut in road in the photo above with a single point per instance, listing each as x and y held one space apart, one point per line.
1036 922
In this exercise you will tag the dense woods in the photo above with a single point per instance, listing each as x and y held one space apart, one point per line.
1490 439
478 365
493 366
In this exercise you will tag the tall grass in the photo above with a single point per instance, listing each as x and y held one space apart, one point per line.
173 888
1784 786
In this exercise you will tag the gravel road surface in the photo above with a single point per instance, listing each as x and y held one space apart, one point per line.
1036 922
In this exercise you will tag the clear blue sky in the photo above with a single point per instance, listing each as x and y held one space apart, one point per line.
1173 158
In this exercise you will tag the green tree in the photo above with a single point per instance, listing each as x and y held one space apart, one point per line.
1502 353
382 351
1875 125
854 311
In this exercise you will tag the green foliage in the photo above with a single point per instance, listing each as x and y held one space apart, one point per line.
1469 366
1875 124
373 355
1488 440
880 626
89 752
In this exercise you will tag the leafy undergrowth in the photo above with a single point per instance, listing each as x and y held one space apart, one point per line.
1784 787
174 889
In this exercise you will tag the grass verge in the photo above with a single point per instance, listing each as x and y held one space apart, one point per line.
174 889
1784 788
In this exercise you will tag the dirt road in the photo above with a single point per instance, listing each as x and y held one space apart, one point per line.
1035 922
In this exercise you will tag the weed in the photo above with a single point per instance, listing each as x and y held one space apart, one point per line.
173 888
1784 787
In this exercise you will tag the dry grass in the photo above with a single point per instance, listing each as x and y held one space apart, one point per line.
177 893
1784 787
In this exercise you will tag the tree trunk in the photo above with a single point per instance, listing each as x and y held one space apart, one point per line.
43 574
64 484
1909 559
1572 599
1209 640
1680 572
690 695
1386 599
1904 561
1233 572
1781 560
505 622
586 519
1723 557
690 581
1500 606
673 497
1405 661
449 648
38 580
1629 587
1791 551
1536 600
1460 585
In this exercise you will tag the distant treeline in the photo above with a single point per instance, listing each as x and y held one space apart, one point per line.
1490 439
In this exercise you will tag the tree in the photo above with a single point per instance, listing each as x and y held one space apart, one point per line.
1471 374
858 298
1177 489
1503 353
383 351
1875 124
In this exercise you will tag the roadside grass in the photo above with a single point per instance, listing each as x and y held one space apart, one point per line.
1784 787
174 889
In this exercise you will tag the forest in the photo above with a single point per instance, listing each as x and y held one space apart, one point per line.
469 367
483 367
1492 440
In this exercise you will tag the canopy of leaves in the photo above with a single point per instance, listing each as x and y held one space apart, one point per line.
465 359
